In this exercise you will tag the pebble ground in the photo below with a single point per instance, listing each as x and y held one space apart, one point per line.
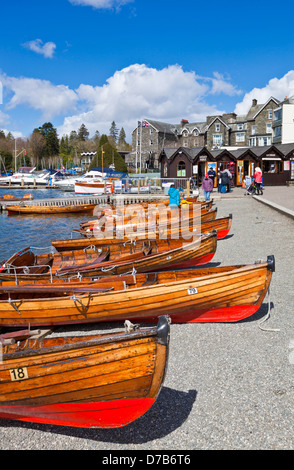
228 386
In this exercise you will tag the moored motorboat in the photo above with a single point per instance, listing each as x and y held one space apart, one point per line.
104 381
211 294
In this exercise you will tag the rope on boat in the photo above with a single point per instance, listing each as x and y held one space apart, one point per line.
267 315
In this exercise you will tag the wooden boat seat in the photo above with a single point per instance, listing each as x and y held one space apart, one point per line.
76 267
151 278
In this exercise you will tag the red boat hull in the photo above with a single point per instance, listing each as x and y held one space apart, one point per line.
222 233
188 263
209 315
104 414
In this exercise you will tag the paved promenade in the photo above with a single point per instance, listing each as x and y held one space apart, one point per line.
280 198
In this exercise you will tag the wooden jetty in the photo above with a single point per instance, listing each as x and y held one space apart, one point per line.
88 199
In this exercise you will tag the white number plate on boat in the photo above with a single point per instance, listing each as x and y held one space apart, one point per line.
192 290
19 374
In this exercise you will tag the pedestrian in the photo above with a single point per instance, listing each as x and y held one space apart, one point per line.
225 181
219 182
207 186
212 174
174 196
228 184
258 180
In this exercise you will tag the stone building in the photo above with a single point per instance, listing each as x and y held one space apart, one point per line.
227 130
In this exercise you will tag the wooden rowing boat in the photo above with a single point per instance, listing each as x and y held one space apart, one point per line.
111 225
138 215
142 256
104 381
217 294
22 209
222 227
10 197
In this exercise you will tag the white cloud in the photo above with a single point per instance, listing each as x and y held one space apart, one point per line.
52 100
133 93
47 49
139 91
101 4
222 85
4 119
277 88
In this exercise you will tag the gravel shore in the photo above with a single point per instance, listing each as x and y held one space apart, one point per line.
228 386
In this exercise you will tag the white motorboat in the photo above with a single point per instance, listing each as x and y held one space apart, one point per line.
91 182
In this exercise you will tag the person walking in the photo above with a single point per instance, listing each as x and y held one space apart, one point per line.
207 186
258 180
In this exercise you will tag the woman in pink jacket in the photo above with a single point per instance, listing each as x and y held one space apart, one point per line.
258 180
207 186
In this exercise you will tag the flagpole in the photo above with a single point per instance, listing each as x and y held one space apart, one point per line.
141 147
137 147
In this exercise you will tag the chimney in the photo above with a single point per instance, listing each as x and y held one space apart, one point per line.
184 122
254 102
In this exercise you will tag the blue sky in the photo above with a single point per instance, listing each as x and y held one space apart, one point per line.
97 61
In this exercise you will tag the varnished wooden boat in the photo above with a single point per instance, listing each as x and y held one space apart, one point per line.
10 197
111 225
22 208
222 227
143 256
218 294
104 381
137 214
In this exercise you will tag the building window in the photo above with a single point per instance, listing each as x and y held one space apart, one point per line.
278 115
272 166
278 131
195 132
217 127
181 171
151 130
263 141
240 137
253 130
270 114
185 133
151 142
269 128
252 142
240 127
217 139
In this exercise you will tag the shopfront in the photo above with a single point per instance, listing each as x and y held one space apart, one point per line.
201 165
275 170
225 160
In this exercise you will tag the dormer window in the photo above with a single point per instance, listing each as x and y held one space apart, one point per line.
185 133
217 127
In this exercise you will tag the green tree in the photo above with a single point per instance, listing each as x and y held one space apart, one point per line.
110 156
113 131
83 132
122 138
64 146
51 139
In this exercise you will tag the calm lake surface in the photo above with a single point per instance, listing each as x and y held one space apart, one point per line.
37 231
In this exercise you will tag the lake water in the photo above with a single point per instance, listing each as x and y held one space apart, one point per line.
37 231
